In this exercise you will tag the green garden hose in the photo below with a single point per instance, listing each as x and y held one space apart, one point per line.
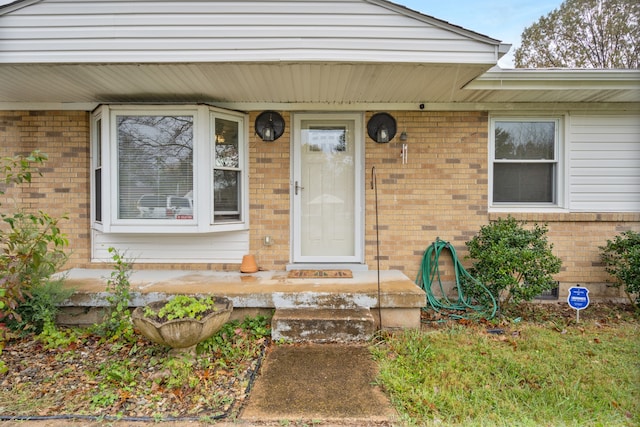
464 307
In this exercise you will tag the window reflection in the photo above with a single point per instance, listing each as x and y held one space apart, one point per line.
155 166
226 174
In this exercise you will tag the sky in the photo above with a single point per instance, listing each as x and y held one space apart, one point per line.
499 19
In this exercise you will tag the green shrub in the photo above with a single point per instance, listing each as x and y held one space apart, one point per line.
40 307
515 263
621 256
31 244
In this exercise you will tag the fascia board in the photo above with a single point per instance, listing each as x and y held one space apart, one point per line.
567 79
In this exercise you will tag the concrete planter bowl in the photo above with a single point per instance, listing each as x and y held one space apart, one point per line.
182 335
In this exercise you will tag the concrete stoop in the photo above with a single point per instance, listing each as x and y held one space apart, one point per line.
322 324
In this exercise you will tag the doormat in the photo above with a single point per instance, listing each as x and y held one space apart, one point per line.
320 274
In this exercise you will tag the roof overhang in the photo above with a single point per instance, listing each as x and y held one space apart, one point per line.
280 82
302 85
555 86
377 54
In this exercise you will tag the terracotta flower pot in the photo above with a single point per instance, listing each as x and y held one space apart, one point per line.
182 335
249 264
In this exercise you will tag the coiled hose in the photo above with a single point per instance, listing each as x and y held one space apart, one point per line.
485 305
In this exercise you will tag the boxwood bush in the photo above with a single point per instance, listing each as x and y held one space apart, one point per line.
514 262
621 257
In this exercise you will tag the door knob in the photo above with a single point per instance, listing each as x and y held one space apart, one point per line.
297 187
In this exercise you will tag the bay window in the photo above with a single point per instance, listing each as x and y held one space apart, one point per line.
169 169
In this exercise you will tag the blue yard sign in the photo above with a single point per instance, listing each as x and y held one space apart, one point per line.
578 299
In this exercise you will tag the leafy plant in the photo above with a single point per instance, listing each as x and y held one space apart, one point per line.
117 322
515 263
53 337
621 257
180 373
237 341
40 307
181 307
3 365
32 245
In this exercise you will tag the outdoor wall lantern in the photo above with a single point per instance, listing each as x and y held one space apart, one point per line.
269 125
381 127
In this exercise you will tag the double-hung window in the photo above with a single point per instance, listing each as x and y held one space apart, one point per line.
227 171
169 169
526 163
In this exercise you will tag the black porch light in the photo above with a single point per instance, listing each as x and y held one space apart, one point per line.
269 125
381 127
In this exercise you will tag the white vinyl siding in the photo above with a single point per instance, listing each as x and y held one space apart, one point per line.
227 247
604 162
218 31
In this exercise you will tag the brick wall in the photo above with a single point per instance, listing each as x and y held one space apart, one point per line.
440 192
269 177
63 189
576 238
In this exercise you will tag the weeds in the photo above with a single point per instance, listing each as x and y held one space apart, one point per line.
117 323
53 337
236 340
91 375
38 311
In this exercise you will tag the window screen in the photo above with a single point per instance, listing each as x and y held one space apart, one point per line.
525 163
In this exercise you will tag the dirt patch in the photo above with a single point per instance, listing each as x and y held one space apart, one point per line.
542 312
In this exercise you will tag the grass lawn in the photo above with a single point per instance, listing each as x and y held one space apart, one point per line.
540 370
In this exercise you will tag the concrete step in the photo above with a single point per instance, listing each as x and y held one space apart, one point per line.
322 324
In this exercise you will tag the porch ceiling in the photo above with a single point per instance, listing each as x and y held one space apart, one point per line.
311 84
341 83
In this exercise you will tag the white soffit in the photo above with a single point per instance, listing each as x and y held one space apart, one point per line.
554 85
246 83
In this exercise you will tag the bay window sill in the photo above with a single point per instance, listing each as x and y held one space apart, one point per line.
169 228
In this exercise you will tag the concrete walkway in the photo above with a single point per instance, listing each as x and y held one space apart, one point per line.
313 383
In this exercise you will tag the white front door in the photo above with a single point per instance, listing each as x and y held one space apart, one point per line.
327 188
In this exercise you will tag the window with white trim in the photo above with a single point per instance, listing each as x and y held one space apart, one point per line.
227 173
526 170
167 169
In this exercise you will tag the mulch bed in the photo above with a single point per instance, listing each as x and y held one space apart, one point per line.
541 312
121 380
